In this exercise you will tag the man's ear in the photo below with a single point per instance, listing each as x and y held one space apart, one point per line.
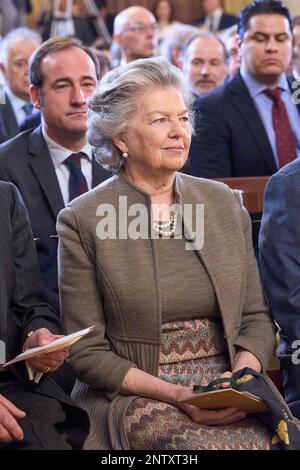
118 39
35 95
179 63
239 41
3 70
176 58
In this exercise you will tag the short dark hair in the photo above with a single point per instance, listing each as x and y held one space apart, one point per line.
262 7
55 44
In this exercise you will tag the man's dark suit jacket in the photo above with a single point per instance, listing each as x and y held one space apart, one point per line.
230 137
26 162
226 21
2 130
279 244
11 126
23 304
32 121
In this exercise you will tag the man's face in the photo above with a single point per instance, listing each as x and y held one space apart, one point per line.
233 53
205 67
267 47
296 47
69 79
139 37
209 6
16 71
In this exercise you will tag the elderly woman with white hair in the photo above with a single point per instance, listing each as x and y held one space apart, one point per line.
169 310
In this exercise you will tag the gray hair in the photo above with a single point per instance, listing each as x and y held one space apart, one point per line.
114 102
19 34
184 54
177 37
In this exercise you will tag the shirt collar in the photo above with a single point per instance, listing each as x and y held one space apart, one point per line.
296 75
16 102
59 153
217 13
255 88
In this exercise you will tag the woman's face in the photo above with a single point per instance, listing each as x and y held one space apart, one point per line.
158 136
163 11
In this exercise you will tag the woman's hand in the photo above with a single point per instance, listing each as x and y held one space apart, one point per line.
245 358
137 382
47 362
208 417
9 428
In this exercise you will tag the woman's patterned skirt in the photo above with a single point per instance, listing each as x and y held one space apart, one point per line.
192 352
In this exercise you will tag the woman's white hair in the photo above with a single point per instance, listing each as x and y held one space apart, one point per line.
115 100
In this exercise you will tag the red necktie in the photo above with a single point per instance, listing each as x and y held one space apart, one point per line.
285 140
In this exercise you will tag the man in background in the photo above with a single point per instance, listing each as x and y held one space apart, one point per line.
203 63
136 33
250 126
54 163
231 43
214 18
15 51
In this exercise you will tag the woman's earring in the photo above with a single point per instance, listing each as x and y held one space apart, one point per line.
124 154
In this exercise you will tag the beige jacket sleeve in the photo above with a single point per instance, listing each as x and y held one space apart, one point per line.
92 358
257 330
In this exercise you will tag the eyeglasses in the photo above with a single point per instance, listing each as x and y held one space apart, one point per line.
142 28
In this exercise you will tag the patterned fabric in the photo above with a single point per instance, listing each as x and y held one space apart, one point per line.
192 352
285 140
184 343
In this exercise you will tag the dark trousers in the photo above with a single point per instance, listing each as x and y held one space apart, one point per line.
291 384
44 422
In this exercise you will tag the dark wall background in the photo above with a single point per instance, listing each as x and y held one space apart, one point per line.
185 10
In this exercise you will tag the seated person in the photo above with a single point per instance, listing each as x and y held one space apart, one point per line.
33 416
214 18
279 260
169 311
163 10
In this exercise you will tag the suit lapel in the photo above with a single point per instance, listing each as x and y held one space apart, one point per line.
243 102
222 24
9 118
44 171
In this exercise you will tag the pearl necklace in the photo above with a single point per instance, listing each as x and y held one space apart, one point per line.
166 229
